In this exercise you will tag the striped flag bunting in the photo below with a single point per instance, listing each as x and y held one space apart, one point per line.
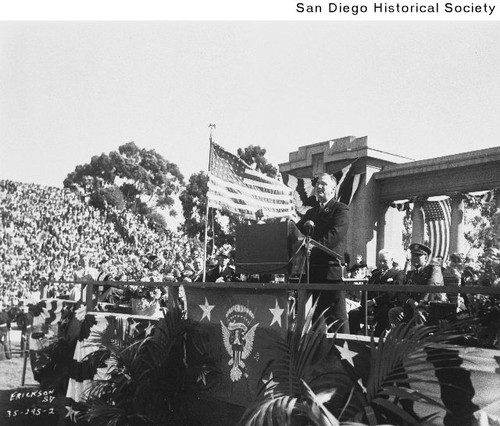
234 186
482 196
303 188
401 206
84 369
437 217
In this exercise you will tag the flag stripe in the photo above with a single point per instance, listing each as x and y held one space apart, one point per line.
216 183
243 201
355 184
340 176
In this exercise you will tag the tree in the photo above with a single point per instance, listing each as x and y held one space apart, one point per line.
254 156
194 205
483 235
194 209
481 218
146 180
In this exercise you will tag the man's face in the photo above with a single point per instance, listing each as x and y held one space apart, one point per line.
198 264
418 259
384 261
325 188
223 261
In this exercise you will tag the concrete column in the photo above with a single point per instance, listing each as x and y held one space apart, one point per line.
390 232
418 224
457 237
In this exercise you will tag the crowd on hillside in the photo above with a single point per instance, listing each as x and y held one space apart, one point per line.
48 233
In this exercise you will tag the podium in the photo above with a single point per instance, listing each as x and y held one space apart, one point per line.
269 248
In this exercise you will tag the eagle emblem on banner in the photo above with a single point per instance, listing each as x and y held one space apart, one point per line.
238 338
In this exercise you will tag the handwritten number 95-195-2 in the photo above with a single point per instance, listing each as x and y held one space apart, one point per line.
30 412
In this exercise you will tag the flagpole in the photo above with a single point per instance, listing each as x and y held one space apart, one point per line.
212 127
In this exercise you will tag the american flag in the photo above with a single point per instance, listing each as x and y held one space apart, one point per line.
437 215
236 187
303 188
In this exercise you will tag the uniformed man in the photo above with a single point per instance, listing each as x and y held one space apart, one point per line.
423 273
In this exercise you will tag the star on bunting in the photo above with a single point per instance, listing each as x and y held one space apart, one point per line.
133 327
346 353
276 311
149 328
206 308
202 377
72 414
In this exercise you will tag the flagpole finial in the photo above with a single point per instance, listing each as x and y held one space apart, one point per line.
212 128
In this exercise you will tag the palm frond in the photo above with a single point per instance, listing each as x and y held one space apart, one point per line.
316 410
101 414
397 410
401 359
277 410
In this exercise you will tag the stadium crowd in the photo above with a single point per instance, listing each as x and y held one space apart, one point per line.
48 233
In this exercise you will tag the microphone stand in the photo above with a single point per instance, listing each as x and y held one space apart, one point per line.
308 254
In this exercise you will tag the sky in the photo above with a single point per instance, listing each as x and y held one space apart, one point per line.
70 90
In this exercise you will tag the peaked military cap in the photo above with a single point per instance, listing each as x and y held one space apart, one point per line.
420 249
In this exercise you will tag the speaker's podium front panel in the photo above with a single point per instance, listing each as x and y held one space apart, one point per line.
267 248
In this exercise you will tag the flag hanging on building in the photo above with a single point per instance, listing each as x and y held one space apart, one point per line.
234 186
437 216
303 188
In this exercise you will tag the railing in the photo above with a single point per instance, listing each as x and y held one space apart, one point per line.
300 289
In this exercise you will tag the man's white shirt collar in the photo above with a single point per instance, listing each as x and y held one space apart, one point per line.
322 205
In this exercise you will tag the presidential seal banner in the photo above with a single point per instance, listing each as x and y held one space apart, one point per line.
243 328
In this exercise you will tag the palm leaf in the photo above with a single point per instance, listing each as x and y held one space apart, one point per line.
279 408
394 408
396 362
316 410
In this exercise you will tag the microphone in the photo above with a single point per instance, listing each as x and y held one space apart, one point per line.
309 228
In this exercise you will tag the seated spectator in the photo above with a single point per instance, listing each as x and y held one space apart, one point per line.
222 272
378 302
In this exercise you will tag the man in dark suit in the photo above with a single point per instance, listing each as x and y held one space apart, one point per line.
379 302
331 222
222 272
